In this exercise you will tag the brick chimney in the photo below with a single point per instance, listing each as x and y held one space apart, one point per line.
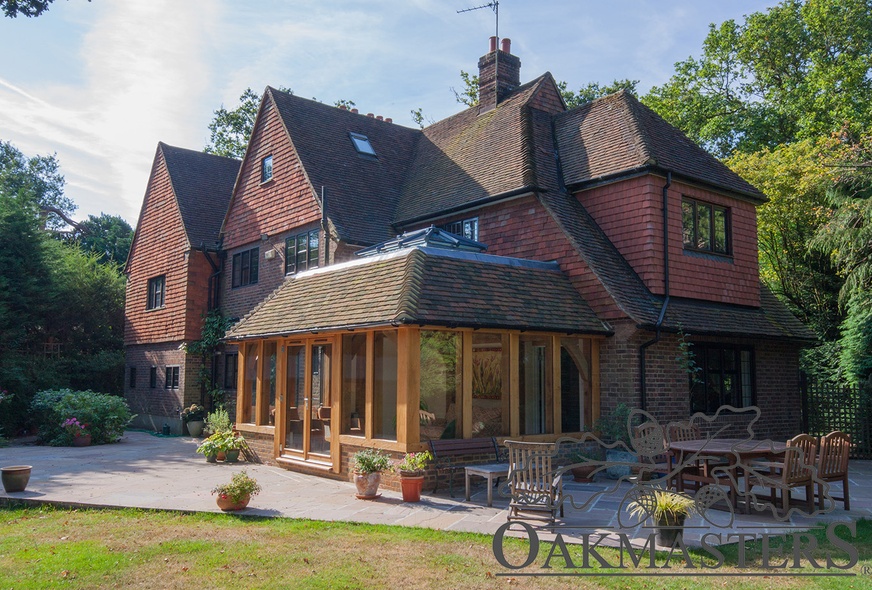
499 72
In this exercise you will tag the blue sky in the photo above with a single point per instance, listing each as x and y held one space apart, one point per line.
100 83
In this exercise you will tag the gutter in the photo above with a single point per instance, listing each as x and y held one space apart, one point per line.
214 291
643 385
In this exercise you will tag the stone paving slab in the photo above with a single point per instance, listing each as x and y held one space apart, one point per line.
147 471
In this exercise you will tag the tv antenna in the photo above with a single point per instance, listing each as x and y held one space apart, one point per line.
495 6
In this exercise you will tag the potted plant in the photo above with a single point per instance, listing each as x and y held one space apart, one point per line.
614 428
583 466
218 421
78 431
194 419
236 494
233 445
411 469
667 509
211 447
367 465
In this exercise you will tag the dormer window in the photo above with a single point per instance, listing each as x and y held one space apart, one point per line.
706 227
266 169
361 144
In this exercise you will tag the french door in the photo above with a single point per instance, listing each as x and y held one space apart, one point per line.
307 431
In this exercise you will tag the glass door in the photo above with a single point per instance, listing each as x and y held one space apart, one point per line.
308 428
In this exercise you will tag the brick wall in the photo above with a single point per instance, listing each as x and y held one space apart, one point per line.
159 248
668 392
630 214
159 405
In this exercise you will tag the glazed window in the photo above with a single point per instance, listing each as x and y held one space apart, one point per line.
266 169
156 292
245 267
361 144
152 377
724 375
301 252
231 361
132 380
172 381
468 228
706 227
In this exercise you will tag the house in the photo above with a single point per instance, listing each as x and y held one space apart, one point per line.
514 270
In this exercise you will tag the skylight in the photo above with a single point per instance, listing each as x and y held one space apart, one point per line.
361 144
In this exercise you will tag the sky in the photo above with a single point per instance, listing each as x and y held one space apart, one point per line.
100 83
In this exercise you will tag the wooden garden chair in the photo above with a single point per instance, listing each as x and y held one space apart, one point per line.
832 465
533 482
795 471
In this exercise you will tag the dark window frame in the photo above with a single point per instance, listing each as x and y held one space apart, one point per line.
718 373
266 169
157 287
172 377
704 219
245 267
131 378
231 370
310 253
152 378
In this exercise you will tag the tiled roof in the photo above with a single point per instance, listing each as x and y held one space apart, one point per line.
203 184
423 286
362 191
617 134
469 157
772 319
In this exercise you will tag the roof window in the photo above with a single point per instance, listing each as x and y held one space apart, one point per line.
361 144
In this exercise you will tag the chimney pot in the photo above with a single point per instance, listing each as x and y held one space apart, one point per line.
389 120
380 118
506 45
493 44
370 115
354 111
343 107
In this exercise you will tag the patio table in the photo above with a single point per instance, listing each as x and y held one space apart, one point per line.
738 452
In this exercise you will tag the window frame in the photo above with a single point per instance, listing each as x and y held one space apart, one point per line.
172 380
231 370
362 144
713 209
156 294
131 378
462 225
312 258
700 379
239 278
266 169
152 378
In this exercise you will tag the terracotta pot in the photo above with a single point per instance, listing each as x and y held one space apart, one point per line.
412 486
82 441
367 484
15 477
195 427
583 473
227 505
222 455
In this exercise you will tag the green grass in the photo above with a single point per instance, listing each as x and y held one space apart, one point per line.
55 548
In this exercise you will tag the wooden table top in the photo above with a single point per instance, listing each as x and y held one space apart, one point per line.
729 446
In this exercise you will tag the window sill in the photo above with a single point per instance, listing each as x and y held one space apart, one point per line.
268 181
255 429
714 256
147 309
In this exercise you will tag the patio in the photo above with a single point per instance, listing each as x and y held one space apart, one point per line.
146 471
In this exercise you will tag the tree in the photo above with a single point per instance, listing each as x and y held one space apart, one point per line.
28 8
37 179
800 70
592 91
230 130
107 236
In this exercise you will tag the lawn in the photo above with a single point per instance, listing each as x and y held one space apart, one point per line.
47 548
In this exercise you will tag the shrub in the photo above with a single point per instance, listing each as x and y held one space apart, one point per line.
218 421
370 461
106 415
